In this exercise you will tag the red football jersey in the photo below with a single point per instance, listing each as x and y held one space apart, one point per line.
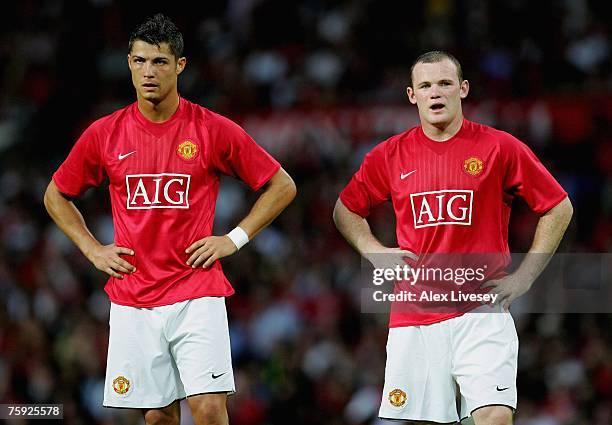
453 196
163 183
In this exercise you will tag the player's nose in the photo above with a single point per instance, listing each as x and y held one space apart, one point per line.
148 69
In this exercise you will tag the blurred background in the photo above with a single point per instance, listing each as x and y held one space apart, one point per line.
318 83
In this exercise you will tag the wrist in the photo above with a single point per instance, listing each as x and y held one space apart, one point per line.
239 237
525 278
372 248
89 247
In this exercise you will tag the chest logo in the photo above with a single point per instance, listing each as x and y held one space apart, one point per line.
125 155
442 207
404 175
166 190
187 150
473 166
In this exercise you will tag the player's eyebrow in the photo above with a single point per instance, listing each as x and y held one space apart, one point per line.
440 81
155 58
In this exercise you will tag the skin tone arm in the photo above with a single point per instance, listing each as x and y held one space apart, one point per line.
279 192
70 220
358 234
548 234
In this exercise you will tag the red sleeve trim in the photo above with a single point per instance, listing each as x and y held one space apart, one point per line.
267 177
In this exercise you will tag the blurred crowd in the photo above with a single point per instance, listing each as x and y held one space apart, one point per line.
318 83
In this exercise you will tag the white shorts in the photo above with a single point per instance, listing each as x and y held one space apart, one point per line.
162 354
476 352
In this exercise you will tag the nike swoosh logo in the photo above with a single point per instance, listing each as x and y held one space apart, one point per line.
501 389
125 155
216 376
404 175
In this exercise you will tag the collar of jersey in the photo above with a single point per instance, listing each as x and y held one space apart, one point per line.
441 147
157 129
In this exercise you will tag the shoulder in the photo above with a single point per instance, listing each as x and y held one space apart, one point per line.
381 152
217 122
397 142
108 123
222 130
491 134
193 111
505 142
511 150
212 120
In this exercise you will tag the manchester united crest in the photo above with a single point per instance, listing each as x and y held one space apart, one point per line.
397 397
121 385
187 150
473 166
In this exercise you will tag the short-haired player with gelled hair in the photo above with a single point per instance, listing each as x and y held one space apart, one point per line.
163 157
451 182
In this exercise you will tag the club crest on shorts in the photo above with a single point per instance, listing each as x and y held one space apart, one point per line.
187 150
121 385
397 397
473 166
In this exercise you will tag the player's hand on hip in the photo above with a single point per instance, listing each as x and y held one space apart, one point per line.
107 258
389 258
210 249
508 289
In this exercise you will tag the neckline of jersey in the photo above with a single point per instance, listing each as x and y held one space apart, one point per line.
158 128
442 147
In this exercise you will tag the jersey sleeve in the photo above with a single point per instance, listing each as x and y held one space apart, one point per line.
527 177
369 186
236 154
83 167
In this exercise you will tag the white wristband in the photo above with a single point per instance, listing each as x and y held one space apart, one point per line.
239 237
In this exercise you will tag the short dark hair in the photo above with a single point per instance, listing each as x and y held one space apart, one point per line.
158 29
436 56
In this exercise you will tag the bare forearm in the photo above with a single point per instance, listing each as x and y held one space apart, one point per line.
549 232
356 230
68 218
279 193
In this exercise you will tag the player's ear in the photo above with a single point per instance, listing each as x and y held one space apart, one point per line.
464 89
411 96
129 62
180 65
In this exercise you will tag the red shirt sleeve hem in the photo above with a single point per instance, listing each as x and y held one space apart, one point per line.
549 206
348 204
60 186
267 177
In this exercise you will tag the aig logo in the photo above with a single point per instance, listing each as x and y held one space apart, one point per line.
147 191
442 207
